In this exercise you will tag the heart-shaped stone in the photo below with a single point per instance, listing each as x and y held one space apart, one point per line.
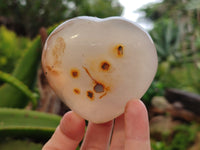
97 65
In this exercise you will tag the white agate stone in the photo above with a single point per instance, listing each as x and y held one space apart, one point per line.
97 65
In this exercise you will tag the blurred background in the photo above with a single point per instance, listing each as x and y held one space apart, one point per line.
30 110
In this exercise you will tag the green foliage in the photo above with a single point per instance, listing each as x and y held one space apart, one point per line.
20 86
19 123
185 77
176 35
27 16
25 71
182 138
156 88
157 145
98 8
176 28
23 77
193 4
11 144
166 37
11 49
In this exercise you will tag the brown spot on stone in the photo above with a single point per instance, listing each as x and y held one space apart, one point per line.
119 50
57 52
99 88
90 94
105 66
77 91
100 97
49 68
59 48
52 70
74 73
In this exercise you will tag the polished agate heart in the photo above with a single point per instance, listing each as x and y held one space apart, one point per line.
97 65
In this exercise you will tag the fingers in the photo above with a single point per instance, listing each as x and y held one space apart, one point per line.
68 134
136 126
97 136
131 131
118 137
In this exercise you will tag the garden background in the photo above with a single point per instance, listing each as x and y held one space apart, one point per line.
30 110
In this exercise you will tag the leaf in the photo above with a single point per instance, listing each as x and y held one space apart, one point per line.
25 71
10 144
20 86
22 123
11 49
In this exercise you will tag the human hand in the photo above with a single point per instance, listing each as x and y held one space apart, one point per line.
130 132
